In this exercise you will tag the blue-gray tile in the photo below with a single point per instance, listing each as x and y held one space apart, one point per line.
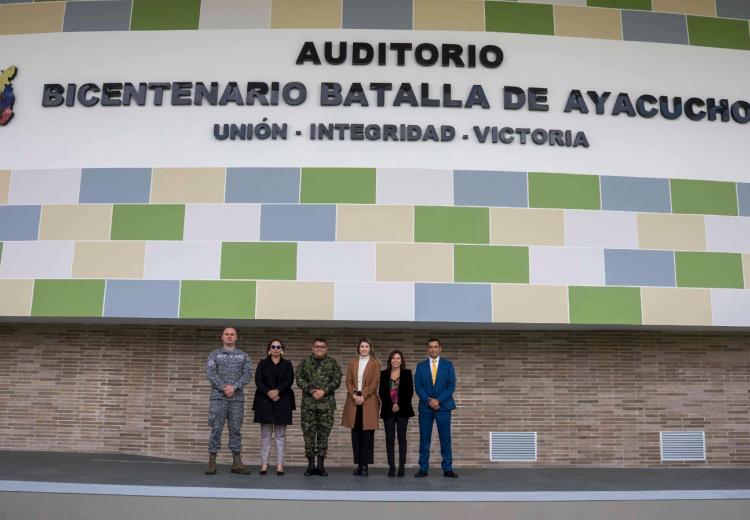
635 194
19 222
383 14
743 197
644 26
298 222
16 1
733 8
453 302
481 188
99 15
142 298
262 185
639 267
115 185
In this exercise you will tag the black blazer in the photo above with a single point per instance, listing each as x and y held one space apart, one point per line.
405 393
269 376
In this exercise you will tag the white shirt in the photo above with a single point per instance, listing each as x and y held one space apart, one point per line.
361 371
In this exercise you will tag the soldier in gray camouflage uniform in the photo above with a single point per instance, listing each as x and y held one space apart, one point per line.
318 376
228 370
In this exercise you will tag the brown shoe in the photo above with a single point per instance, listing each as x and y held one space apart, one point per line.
237 466
211 470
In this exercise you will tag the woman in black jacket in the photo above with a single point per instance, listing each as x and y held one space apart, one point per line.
273 403
396 391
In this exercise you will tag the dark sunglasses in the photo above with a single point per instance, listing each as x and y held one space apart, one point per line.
276 347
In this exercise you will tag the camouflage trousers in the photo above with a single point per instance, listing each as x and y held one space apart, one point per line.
222 411
316 426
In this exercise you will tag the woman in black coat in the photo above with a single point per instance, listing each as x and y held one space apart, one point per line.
273 403
396 391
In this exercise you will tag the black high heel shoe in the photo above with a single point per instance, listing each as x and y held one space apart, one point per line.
263 471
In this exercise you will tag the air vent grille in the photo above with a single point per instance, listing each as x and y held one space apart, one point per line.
513 446
683 446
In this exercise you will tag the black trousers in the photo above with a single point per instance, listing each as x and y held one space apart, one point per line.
394 426
363 441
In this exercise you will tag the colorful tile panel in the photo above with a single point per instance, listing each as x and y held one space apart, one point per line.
409 186
707 197
109 260
331 261
235 14
217 300
643 26
519 18
70 298
338 185
635 194
379 223
605 305
19 222
15 297
483 188
718 32
540 227
697 7
293 14
529 304
374 301
449 15
115 185
259 261
148 221
75 222
171 260
583 22
686 232
4 186
562 190
263 185
414 262
44 186
639 268
295 300
445 302
53 259
103 15
141 299
284 222
451 224
153 15
676 306
733 9
384 14
644 5
722 270
178 185
32 18
497 264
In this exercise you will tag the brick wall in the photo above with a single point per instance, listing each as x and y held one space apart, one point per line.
597 398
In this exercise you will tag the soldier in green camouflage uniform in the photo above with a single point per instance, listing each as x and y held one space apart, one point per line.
318 376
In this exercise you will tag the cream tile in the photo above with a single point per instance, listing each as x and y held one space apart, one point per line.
361 222
76 222
321 14
4 186
453 15
587 22
666 231
15 297
109 260
515 303
31 18
523 226
180 185
676 306
414 262
697 7
294 300
746 270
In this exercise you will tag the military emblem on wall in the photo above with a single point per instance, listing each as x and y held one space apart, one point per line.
7 98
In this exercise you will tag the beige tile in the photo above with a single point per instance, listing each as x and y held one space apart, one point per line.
320 14
294 301
587 22
31 18
235 14
15 297
76 222
513 303
524 226
180 185
666 231
452 15
746 270
109 260
698 7
677 306
414 262
375 223
4 186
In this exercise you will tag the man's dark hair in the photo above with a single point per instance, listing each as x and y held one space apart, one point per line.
320 340
433 339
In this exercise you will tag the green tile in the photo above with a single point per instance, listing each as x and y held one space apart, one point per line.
259 260
148 221
641 5
342 185
563 190
605 305
149 15
718 32
498 264
68 298
519 18
703 197
699 269
221 300
453 225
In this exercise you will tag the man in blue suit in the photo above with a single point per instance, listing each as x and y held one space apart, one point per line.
434 382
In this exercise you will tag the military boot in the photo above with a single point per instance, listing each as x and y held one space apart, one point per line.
321 467
237 466
310 467
211 470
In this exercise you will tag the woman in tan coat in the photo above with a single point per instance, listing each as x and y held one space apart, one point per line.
362 404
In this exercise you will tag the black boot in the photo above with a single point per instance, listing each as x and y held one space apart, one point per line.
400 471
391 471
365 470
310 467
358 472
321 467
